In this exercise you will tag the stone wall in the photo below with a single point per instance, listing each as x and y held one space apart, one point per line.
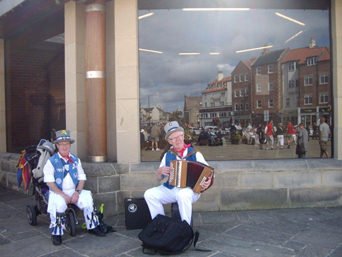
238 185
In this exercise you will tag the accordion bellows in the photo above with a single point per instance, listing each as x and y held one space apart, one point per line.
189 174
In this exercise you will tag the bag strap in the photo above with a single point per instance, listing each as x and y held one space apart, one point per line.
196 236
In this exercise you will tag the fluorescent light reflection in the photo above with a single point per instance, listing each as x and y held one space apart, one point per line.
214 9
146 15
300 32
189 53
253 49
150 51
290 19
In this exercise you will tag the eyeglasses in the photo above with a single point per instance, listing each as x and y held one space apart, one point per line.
176 138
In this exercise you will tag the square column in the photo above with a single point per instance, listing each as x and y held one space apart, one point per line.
336 28
3 142
126 82
75 76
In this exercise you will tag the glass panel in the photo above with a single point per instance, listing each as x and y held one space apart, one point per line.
276 56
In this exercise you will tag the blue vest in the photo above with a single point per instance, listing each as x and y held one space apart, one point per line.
59 169
170 156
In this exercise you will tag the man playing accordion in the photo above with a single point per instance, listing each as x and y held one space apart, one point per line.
165 194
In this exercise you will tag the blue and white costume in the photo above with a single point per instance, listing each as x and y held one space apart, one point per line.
65 175
165 194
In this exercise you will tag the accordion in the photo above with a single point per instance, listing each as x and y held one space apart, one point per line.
189 174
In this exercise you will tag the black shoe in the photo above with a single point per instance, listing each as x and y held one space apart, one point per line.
97 231
56 240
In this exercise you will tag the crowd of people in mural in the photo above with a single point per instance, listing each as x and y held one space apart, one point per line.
267 136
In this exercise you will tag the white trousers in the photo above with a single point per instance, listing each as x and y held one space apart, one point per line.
157 196
280 140
57 204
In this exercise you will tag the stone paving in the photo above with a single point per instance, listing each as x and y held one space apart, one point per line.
243 152
307 232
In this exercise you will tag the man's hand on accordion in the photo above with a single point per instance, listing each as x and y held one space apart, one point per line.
206 184
163 172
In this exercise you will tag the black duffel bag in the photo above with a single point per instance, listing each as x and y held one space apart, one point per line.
167 236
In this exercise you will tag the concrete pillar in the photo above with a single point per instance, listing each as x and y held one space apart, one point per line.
3 142
95 67
126 81
74 76
336 24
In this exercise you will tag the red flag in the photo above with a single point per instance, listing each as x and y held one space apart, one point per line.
23 171
26 174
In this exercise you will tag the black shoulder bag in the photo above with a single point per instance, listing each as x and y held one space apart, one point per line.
168 236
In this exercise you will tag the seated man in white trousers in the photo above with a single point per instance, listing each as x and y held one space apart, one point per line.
64 175
165 194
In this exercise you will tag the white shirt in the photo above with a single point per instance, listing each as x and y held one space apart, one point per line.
68 183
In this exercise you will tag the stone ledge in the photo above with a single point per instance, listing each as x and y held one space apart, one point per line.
280 165
232 165
144 167
98 169
242 184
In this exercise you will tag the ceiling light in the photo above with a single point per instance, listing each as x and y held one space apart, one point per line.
146 15
189 53
300 32
214 9
151 51
253 49
290 19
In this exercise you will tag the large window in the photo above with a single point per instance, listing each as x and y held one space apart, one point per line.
183 53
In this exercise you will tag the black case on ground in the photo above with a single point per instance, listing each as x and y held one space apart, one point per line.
137 214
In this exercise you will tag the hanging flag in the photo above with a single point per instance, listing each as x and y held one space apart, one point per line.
20 167
26 174
23 171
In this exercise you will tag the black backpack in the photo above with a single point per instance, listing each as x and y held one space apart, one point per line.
168 236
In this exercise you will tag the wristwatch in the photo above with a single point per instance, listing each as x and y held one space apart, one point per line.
78 191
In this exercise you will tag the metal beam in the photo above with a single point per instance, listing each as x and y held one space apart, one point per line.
256 4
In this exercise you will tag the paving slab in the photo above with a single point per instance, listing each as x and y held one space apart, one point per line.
305 232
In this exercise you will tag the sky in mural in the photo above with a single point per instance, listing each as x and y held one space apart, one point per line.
167 76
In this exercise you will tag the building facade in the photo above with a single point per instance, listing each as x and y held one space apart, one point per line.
267 86
241 89
216 107
192 105
307 84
